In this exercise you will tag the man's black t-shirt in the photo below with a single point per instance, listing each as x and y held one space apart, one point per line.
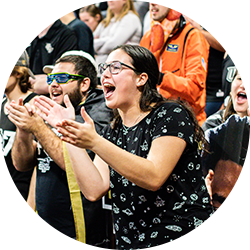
144 218
214 19
47 49
52 193
229 66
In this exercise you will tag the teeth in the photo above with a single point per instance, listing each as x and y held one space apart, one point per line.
56 93
107 85
241 93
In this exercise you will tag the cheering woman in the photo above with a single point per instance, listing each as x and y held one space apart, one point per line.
149 156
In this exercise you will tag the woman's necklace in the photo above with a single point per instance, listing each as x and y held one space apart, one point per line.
126 129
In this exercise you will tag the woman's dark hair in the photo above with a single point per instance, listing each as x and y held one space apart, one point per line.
145 62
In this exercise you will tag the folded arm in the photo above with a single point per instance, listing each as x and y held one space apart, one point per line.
125 30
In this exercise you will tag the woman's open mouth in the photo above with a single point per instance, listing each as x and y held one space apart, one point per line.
241 97
108 90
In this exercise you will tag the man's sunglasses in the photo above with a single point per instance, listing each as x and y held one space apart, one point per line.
62 77
228 4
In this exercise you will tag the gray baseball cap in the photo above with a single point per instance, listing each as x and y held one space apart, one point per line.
14 54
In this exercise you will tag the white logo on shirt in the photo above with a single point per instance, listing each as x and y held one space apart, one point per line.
49 48
9 136
230 73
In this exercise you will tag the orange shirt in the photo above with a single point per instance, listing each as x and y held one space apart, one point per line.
184 68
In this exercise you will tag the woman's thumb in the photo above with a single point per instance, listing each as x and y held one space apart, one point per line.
85 115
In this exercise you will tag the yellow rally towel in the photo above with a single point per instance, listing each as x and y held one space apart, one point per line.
75 197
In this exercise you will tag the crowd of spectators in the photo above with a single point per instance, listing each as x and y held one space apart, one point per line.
63 70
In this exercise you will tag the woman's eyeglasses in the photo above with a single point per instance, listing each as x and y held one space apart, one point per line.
115 67
62 77
228 4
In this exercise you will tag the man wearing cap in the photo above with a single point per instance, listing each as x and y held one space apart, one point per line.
74 76
16 219
47 40
182 55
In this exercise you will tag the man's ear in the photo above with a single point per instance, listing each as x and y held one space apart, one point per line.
142 79
209 180
85 84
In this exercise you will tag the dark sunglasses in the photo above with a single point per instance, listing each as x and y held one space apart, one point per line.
62 77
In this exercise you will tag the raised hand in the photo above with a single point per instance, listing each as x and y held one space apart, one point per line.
52 112
82 135
23 117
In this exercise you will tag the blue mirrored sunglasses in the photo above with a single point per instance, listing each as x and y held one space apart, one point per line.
62 77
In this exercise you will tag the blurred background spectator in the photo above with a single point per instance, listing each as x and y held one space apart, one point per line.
82 31
101 4
122 25
91 15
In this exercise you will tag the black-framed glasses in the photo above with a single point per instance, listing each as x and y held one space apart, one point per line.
5 71
115 67
62 77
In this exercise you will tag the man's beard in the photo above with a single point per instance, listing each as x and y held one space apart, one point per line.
75 97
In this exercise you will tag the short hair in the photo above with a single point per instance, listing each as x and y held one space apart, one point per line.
56 9
82 67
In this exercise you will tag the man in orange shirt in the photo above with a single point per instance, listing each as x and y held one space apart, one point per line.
182 54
